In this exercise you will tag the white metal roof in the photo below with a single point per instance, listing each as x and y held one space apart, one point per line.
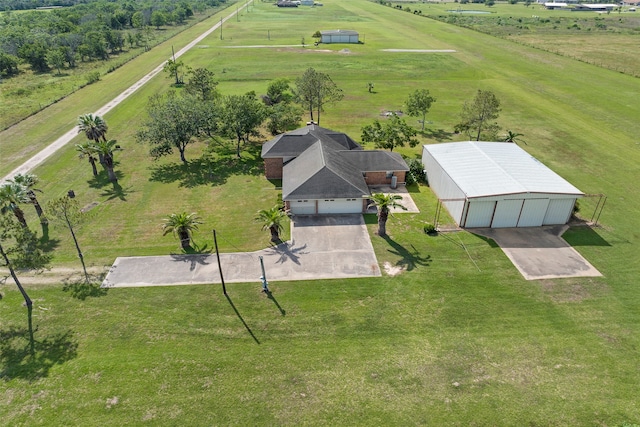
483 169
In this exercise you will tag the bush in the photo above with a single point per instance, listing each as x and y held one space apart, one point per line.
93 77
416 172
429 228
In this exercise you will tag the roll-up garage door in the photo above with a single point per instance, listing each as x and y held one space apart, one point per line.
302 207
340 206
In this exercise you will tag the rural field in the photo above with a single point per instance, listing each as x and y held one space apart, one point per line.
457 338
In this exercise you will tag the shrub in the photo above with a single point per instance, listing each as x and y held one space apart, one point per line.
429 228
416 172
93 77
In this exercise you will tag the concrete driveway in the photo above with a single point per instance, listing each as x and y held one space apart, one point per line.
321 247
540 252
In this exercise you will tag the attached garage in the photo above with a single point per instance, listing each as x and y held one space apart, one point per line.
302 207
497 185
339 206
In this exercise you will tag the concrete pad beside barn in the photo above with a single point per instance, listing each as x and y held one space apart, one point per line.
540 252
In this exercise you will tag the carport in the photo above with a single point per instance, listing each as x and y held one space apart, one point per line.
497 185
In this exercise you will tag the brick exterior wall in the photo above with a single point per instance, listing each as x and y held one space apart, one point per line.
273 168
380 178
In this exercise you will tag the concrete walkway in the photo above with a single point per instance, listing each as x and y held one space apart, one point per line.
321 247
540 252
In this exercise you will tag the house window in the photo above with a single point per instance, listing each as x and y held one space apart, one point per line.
389 174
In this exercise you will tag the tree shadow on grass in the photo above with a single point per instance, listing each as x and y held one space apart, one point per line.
439 134
80 289
102 180
208 171
18 359
45 243
408 260
116 192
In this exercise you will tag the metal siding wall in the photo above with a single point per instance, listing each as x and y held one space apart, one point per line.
559 211
533 212
480 213
507 213
443 186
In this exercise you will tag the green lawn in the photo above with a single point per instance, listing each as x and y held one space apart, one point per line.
459 338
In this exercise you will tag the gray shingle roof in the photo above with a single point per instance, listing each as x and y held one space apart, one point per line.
376 161
321 172
292 144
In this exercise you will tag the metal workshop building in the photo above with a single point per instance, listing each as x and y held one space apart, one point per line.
497 185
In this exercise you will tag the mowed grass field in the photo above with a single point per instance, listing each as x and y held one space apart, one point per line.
459 338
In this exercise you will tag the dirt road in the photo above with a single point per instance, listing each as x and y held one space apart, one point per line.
64 139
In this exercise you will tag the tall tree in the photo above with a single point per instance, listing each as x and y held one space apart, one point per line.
19 250
87 149
201 84
173 68
241 117
384 203
11 195
105 150
314 90
29 182
273 220
277 92
182 225
419 103
394 132
66 211
173 123
478 115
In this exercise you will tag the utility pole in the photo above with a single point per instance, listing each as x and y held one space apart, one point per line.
220 28
215 242
263 278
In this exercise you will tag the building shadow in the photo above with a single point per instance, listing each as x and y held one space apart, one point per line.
242 320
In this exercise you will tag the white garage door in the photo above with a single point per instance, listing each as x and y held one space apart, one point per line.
533 212
480 213
559 211
507 213
339 206
302 207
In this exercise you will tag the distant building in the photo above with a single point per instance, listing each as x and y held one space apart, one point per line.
595 7
339 36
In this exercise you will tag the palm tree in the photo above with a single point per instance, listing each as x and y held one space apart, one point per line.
105 149
272 220
87 149
384 202
95 129
11 194
512 136
29 181
182 226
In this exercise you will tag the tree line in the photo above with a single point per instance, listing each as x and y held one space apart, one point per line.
92 31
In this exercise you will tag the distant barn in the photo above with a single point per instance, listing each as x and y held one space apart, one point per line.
339 36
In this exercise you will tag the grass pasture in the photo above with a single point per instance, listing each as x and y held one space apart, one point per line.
458 338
